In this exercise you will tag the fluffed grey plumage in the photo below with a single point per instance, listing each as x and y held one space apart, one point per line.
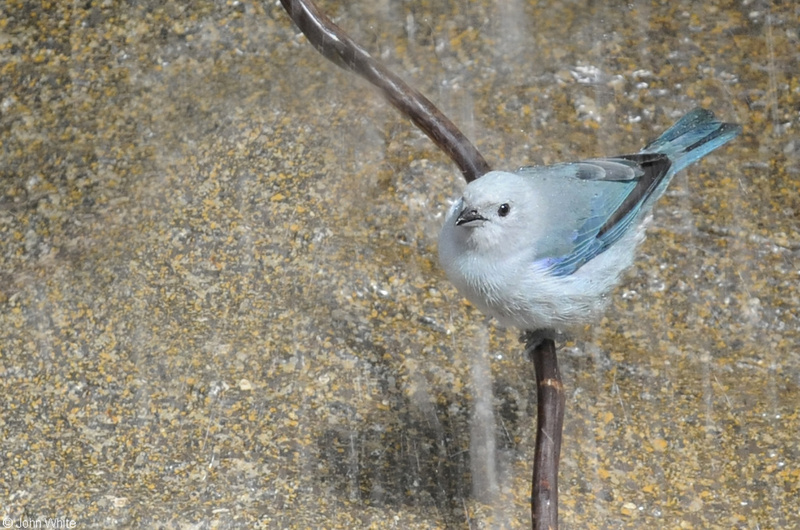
542 247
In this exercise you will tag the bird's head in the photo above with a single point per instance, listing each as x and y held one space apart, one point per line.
492 213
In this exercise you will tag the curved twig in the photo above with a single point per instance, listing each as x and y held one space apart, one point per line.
338 47
550 401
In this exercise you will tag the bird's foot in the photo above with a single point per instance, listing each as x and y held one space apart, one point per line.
533 339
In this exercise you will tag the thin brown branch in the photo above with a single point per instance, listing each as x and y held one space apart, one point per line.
338 47
550 399
332 42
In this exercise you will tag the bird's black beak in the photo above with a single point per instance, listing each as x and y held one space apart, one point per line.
468 215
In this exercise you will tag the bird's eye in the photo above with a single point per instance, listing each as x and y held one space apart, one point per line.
503 210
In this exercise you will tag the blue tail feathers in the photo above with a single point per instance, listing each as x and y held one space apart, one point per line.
613 202
693 137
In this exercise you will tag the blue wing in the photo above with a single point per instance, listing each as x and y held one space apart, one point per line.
596 201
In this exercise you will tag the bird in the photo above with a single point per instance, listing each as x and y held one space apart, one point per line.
541 248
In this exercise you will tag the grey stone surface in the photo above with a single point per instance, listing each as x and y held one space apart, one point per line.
220 304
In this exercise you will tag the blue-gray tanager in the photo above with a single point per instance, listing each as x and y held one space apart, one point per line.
541 248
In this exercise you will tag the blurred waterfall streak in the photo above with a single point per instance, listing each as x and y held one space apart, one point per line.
483 446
